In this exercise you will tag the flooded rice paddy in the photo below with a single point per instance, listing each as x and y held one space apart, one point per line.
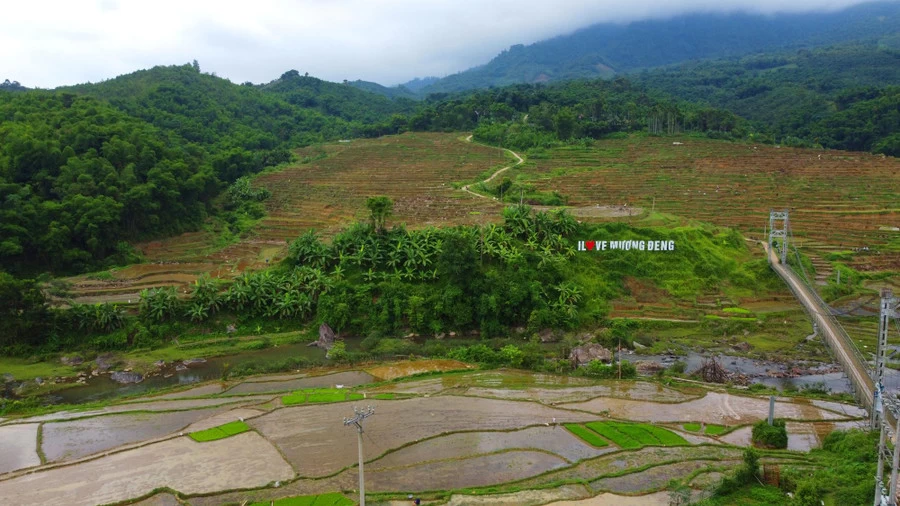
553 439
460 430
180 464
78 438
463 473
714 407
345 379
653 478
19 443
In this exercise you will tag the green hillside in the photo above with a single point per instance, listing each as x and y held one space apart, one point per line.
366 102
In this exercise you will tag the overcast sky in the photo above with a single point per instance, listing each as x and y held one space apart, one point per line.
46 43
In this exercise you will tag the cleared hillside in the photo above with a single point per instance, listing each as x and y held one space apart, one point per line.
841 202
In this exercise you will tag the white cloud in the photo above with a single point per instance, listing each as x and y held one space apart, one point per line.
49 43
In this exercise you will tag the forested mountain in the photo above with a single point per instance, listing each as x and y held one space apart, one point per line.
607 49
392 92
77 177
349 101
527 116
85 168
418 83
838 96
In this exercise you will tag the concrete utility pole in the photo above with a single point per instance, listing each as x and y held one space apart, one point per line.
887 312
360 415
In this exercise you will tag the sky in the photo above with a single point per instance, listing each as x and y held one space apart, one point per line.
49 43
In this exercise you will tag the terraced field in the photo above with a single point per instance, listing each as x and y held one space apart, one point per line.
839 201
446 439
416 170
326 190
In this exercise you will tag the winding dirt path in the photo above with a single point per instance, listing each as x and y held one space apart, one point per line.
495 174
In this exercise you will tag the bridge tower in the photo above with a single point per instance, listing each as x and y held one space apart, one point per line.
779 234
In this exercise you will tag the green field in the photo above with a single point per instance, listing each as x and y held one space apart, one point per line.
319 395
587 435
330 499
220 432
636 435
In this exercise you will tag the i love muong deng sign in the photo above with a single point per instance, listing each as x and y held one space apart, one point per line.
626 245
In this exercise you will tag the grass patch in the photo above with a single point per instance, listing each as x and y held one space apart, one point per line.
636 435
691 427
329 499
319 395
25 369
220 432
715 430
589 436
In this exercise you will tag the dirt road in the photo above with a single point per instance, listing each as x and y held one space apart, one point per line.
495 174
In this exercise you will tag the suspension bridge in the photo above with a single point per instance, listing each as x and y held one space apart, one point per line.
867 382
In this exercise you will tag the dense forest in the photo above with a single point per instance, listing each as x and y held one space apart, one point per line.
527 116
85 169
841 97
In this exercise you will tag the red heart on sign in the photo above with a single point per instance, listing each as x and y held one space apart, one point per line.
589 245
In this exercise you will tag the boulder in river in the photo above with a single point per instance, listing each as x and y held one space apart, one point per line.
70 361
104 362
126 377
193 362
587 352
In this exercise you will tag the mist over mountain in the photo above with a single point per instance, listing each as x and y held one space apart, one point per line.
608 49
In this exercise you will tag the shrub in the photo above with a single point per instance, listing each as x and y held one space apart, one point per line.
678 367
770 436
599 369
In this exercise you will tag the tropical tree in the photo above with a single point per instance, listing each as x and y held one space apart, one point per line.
158 304
380 209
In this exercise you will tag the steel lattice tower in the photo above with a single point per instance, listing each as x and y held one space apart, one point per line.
779 234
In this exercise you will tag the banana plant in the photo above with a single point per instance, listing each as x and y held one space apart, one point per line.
197 312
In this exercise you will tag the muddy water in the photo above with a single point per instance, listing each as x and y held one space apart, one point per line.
101 387
77 438
757 370
19 447
554 439
347 379
470 472
714 407
651 479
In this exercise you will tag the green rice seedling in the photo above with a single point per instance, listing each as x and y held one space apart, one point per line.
586 434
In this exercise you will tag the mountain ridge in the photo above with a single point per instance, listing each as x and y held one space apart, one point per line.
607 49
